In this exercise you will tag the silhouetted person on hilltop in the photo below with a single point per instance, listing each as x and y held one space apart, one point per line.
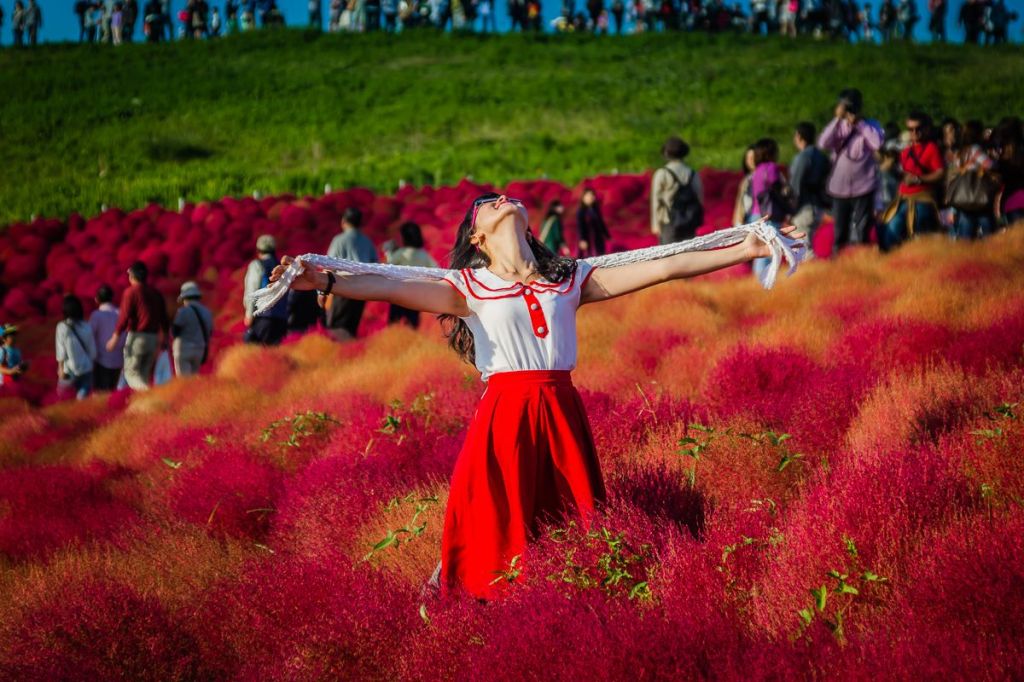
152 21
937 23
972 16
81 7
130 13
33 21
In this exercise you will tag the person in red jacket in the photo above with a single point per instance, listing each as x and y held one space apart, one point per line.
143 317
915 209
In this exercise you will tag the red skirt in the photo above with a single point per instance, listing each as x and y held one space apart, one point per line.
529 457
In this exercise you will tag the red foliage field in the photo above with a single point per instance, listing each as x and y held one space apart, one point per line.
820 481
212 242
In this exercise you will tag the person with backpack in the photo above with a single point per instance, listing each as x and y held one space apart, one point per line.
808 173
76 350
677 197
853 142
270 327
915 209
143 318
770 190
191 330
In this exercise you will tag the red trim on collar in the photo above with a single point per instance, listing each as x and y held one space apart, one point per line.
511 285
469 288
544 287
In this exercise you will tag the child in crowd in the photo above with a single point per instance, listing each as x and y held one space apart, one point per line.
12 365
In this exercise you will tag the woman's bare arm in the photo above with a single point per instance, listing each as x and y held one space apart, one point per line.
608 283
426 296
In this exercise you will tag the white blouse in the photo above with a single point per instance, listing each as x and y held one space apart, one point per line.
517 326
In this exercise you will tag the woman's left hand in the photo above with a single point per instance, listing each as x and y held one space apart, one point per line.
753 247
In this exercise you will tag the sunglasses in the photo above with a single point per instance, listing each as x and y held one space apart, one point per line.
490 200
913 129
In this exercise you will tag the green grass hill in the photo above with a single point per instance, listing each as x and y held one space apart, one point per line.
82 126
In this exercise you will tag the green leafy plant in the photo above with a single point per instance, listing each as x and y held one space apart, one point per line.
778 442
604 559
298 428
696 446
511 573
411 530
839 592
1003 411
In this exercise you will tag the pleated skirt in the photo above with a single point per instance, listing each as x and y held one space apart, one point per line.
528 458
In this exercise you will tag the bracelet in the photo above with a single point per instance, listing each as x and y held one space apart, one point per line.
326 291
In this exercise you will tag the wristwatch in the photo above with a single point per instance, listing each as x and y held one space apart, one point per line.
326 291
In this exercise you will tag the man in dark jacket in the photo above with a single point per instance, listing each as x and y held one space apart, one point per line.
808 173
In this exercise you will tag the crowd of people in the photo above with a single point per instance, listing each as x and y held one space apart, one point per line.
116 21
119 346
963 179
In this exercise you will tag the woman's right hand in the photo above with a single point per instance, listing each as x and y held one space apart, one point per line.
307 281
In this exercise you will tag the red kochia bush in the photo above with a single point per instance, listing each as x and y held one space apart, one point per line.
97 630
230 492
43 509
764 383
315 618
959 611
881 345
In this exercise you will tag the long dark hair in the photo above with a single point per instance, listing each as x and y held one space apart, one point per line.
551 266
71 306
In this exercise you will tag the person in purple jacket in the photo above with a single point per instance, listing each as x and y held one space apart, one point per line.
853 141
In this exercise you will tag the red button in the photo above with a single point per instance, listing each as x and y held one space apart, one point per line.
537 319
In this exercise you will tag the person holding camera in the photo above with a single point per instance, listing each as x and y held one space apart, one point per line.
853 141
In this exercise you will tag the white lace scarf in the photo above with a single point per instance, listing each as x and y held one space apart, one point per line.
793 251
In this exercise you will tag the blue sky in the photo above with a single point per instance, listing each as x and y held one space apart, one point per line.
60 23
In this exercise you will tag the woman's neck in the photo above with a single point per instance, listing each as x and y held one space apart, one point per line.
511 256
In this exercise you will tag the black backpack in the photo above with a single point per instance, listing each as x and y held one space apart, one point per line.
685 212
815 182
